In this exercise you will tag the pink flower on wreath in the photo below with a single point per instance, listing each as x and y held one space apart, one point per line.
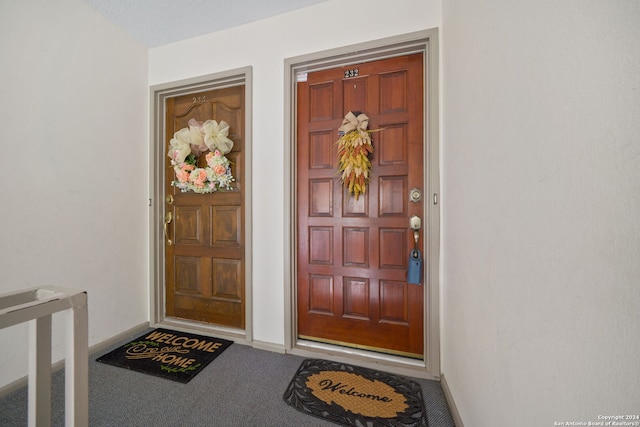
182 175
209 158
198 177
219 170
186 167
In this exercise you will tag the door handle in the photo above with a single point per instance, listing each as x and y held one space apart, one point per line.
415 223
414 270
167 219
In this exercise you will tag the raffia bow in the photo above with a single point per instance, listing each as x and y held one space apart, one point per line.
354 148
351 122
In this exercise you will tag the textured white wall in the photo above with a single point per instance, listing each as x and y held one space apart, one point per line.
73 113
541 238
265 45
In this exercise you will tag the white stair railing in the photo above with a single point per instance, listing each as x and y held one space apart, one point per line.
36 306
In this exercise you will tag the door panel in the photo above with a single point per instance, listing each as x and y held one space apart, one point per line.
205 262
352 254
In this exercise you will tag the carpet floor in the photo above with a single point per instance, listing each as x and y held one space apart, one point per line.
242 387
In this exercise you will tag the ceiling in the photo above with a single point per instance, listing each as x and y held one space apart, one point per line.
158 22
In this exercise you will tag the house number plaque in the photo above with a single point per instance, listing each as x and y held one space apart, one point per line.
351 73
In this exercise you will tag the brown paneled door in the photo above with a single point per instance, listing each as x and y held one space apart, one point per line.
204 259
353 254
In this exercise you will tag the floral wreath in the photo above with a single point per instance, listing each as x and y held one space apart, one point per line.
354 152
186 147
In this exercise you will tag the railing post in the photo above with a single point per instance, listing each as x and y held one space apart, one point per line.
77 366
39 390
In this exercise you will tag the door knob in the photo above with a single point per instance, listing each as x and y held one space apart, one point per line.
415 223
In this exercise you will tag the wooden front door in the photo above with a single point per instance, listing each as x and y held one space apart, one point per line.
204 259
353 254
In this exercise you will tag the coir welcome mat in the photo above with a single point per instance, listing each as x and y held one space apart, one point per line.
173 355
355 396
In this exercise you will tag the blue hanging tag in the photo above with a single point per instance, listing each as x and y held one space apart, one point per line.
414 273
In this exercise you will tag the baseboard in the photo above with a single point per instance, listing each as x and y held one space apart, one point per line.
117 339
96 348
452 405
267 346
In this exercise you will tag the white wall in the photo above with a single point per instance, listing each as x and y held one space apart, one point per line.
541 239
73 114
264 45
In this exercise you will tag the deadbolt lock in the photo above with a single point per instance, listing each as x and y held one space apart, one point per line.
415 195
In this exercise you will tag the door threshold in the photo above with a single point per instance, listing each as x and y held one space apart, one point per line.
369 359
372 349
193 326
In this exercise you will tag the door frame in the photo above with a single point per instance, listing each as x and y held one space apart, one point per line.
425 42
157 191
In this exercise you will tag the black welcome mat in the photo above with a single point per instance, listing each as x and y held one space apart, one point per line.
173 355
354 396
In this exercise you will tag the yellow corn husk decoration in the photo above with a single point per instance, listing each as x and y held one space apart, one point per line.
354 148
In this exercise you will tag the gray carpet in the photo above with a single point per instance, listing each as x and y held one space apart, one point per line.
242 387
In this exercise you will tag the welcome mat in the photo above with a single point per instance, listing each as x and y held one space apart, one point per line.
355 396
173 355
